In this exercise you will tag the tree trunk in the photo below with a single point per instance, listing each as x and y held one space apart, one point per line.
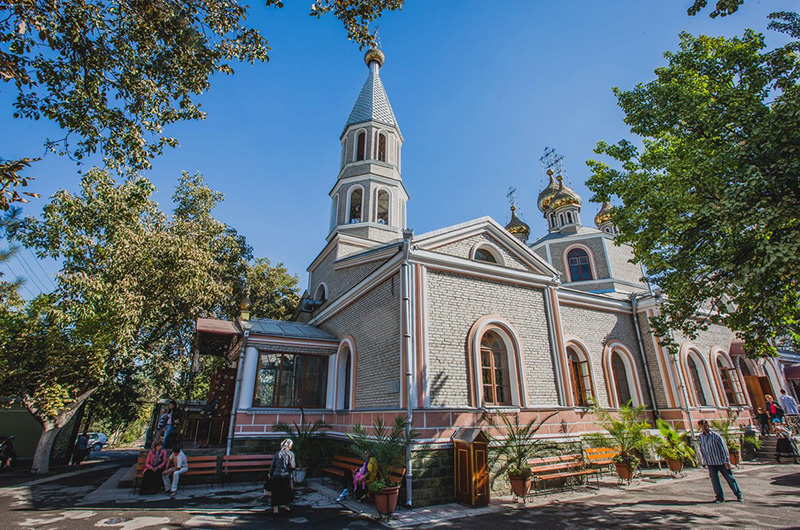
51 427
41 460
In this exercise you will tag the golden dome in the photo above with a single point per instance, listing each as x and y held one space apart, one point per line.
517 227
374 54
604 215
565 196
547 194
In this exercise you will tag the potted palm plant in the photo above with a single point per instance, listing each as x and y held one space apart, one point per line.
307 440
674 448
628 432
519 445
388 445
733 437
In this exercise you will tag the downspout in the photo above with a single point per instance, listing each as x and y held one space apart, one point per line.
550 316
405 278
232 423
635 306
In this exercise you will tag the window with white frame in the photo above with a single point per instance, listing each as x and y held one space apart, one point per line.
356 205
382 207
291 380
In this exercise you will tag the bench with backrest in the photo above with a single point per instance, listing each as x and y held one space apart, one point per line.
560 467
237 465
601 457
198 466
341 464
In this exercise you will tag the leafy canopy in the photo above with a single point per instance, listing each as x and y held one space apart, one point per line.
112 74
711 199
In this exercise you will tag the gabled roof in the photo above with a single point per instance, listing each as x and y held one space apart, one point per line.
372 103
489 226
283 328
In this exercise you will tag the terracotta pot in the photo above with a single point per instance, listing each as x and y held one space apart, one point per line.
386 500
735 458
676 466
520 484
624 471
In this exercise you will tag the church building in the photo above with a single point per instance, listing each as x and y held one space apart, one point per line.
470 319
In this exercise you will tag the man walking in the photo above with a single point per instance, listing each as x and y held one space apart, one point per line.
788 403
715 454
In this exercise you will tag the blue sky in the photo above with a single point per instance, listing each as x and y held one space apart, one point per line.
478 93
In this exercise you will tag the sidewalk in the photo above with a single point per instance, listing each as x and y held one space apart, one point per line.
318 494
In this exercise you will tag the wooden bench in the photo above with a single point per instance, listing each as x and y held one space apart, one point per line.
237 464
601 456
561 467
341 464
198 465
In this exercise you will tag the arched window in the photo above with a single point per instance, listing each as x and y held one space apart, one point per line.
486 252
621 384
361 145
743 366
581 379
345 369
579 268
483 254
569 217
729 379
382 214
356 205
382 147
697 383
561 218
321 294
552 220
494 370
334 211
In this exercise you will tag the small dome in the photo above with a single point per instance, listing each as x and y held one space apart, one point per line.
565 196
547 194
604 215
516 227
374 54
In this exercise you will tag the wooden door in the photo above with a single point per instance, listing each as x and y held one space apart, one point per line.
481 474
463 475
766 387
755 390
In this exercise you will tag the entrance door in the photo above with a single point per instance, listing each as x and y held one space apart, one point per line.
757 388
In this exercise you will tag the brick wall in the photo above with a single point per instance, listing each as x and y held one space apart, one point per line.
342 280
455 303
622 267
595 244
374 323
463 247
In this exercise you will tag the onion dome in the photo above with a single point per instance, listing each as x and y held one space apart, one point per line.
604 215
565 196
547 194
374 54
518 228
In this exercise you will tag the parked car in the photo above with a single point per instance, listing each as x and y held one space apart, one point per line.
97 441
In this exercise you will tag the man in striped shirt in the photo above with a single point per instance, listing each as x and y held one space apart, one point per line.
715 454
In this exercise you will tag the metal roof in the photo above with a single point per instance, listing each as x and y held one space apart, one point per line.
372 103
282 328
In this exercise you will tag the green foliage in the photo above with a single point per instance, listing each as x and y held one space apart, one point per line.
721 7
386 443
628 432
113 74
307 438
731 433
519 444
132 284
710 201
674 446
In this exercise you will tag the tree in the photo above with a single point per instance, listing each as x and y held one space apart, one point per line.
113 74
721 7
711 201
132 284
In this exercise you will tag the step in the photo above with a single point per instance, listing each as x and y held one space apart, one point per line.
126 481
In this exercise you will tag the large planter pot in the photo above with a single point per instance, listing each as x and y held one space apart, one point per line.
300 475
735 458
386 500
520 484
676 466
624 471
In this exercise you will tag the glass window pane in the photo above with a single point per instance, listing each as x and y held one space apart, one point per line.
383 207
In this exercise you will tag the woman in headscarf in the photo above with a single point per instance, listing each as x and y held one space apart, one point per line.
280 475
153 468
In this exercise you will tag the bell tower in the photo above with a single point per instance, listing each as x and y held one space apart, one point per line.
369 199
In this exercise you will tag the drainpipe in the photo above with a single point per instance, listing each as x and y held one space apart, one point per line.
232 423
405 278
635 306
551 328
